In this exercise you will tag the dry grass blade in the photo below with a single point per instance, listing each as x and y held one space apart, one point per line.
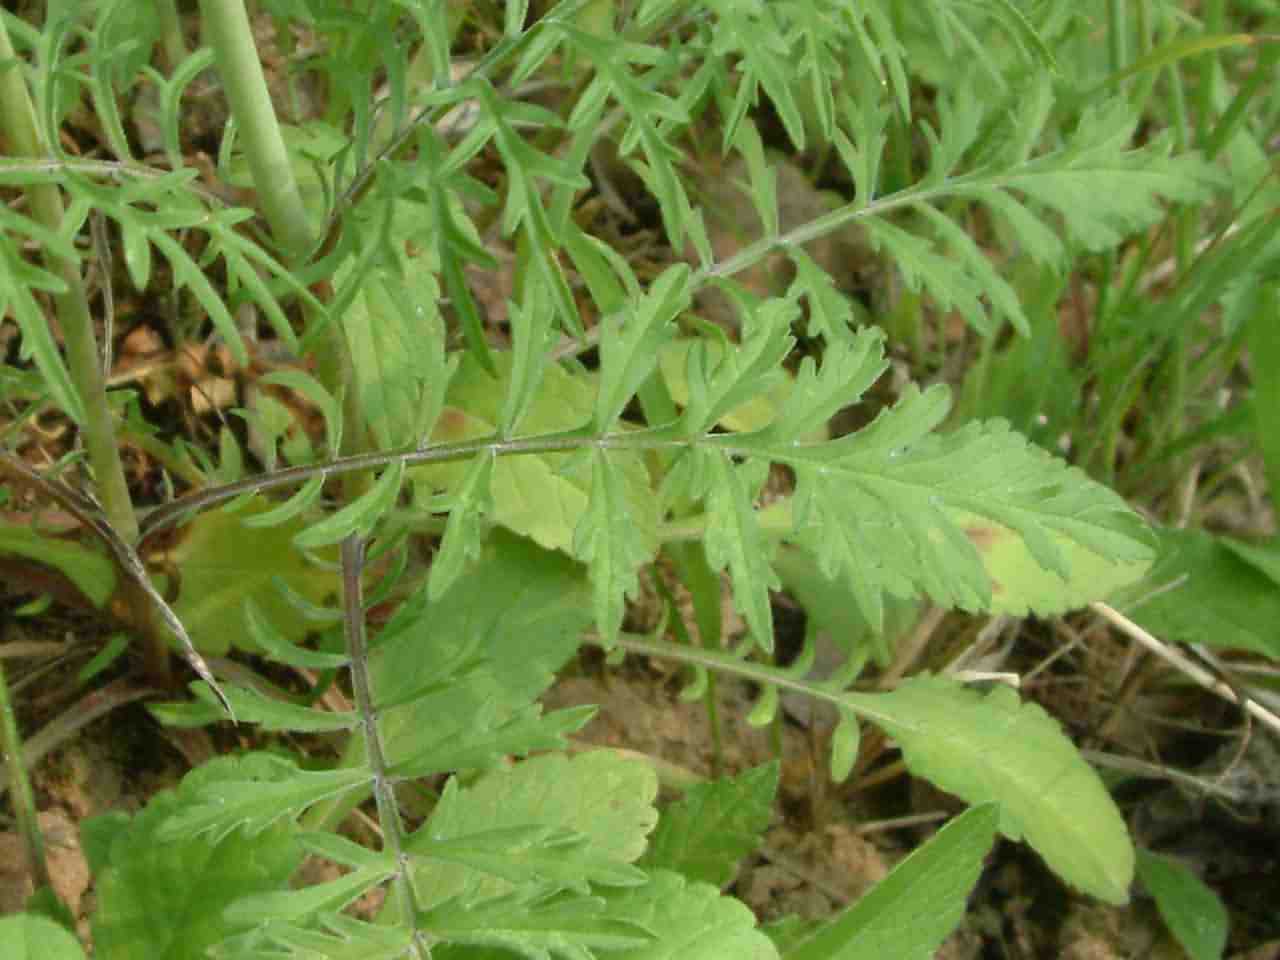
1197 673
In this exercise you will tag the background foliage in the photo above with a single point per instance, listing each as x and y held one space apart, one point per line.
504 353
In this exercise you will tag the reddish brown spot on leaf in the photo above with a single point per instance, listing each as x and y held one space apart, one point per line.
451 425
983 537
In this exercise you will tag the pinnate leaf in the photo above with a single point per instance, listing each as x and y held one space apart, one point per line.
690 921
721 381
271 714
18 280
880 507
582 820
734 541
542 496
566 928
255 800
629 345
164 887
522 632
644 107
705 833
612 543
360 515
222 563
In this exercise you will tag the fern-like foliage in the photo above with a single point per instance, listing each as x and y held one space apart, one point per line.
553 482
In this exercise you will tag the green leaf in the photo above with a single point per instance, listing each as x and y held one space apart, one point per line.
753 33
221 563
612 543
270 714
849 367
531 336
690 921
571 928
395 333
1210 590
602 269
164 889
826 602
719 382
516 12
470 501
524 632
1193 912
1102 189
908 914
536 495
995 749
1263 555
90 572
950 282
457 241
761 186
1262 332
830 311
306 497
251 800
170 97
756 412
332 936
187 273
29 936
1019 584
733 540
593 813
706 833
358 516
845 740
519 734
311 389
630 345
524 207
266 638
884 508
272 909
17 281
644 107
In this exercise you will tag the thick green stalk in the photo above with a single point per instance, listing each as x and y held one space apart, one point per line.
18 124
226 29
17 115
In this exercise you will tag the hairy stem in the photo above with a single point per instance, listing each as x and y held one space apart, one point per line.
18 123
383 788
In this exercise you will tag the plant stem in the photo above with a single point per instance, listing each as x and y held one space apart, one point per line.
226 28
172 41
383 790
24 805
18 123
